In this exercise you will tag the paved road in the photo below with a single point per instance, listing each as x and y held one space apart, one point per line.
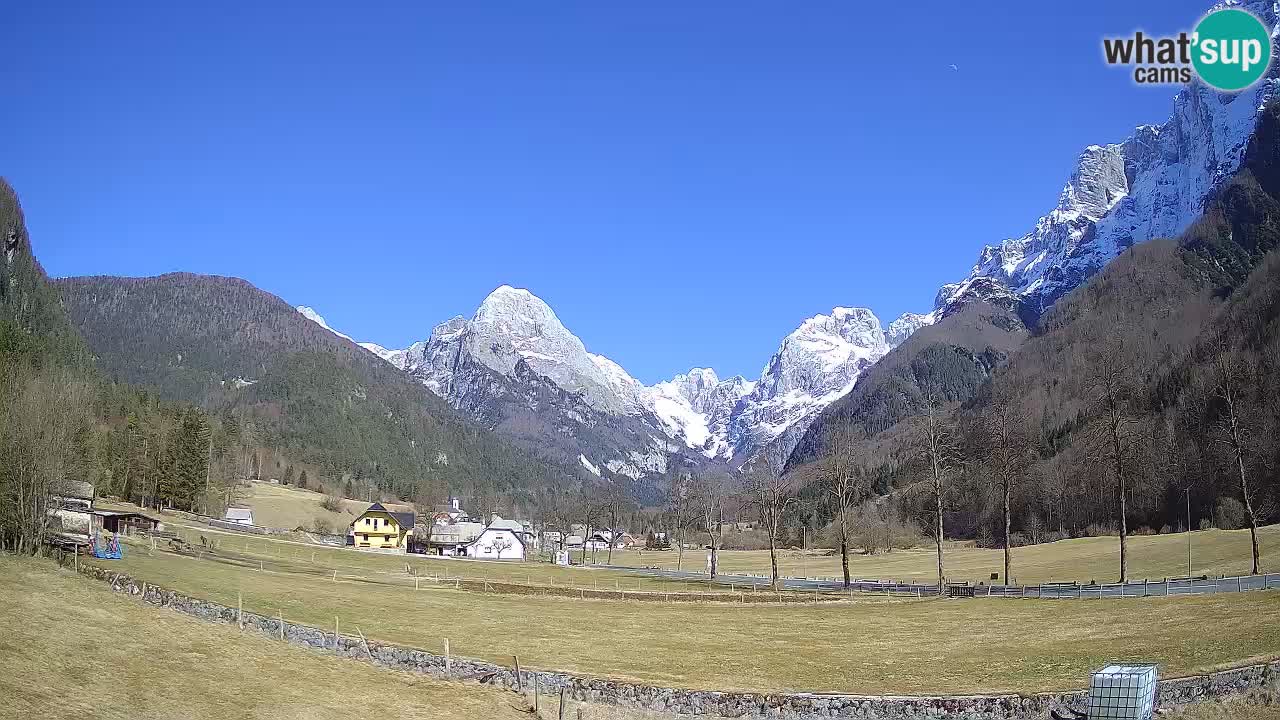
1173 586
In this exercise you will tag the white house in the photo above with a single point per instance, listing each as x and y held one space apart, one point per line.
501 540
239 515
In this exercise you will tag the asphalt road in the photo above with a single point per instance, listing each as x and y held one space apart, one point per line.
1048 591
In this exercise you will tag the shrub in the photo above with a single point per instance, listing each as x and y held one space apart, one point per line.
332 503
1231 514
321 525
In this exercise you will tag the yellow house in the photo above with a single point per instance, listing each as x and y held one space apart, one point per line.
383 529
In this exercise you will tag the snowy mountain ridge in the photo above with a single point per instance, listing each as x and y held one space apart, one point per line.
514 331
1153 184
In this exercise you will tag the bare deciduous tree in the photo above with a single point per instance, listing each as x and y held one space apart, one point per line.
681 499
709 490
842 478
1233 430
42 418
1006 446
589 509
614 503
1113 436
771 491
941 455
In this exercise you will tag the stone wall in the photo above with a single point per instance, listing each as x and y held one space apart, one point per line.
795 706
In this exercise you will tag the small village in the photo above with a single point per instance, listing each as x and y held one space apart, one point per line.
447 530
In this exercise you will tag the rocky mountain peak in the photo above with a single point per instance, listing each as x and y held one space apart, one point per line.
1153 184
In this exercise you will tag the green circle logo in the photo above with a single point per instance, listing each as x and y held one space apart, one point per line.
1232 49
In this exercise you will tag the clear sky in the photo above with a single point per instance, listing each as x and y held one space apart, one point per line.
682 184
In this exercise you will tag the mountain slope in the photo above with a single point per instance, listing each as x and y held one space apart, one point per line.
33 329
1159 317
514 367
1153 184
228 346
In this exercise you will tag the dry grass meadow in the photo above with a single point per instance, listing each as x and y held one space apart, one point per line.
1216 552
71 648
867 645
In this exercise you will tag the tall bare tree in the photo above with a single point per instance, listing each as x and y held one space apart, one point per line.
1232 427
681 501
1006 446
843 479
613 504
589 511
42 419
772 492
709 490
941 455
1113 436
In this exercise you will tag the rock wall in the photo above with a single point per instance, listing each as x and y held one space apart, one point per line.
794 706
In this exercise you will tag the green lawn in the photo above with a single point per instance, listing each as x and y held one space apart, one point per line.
869 645
1151 556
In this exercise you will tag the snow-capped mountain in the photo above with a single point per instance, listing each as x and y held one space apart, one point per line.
316 318
514 358
515 367
1153 184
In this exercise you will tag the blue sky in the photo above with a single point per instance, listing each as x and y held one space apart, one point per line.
682 184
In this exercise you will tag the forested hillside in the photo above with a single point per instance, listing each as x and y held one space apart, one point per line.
289 385
1153 384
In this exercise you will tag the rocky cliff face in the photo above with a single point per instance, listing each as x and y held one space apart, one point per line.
514 366
1153 184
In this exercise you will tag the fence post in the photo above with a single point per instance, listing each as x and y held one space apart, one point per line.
335 633
365 643
448 659
564 701
1238 584
519 679
282 626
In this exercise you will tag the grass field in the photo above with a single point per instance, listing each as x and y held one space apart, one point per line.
71 648
291 555
1151 556
282 506
869 645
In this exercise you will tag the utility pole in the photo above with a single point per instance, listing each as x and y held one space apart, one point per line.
208 465
804 550
1187 492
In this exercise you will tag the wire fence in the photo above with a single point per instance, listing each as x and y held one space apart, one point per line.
305 564
654 584
1164 587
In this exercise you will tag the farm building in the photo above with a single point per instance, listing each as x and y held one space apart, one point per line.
449 539
124 522
381 529
500 540
239 515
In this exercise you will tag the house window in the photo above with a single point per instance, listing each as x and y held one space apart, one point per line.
365 538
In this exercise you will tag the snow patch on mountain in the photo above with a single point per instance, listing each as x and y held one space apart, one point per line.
315 317
591 467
